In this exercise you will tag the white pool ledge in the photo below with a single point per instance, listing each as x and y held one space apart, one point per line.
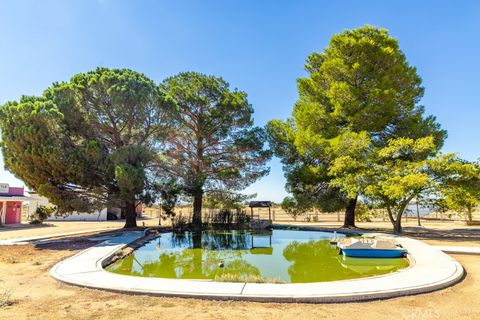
430 270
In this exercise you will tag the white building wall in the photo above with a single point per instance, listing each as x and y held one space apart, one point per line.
82 216
37 200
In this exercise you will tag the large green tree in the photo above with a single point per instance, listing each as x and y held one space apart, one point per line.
390 176
361 82
215 145
307 177
403 170
461 187
89 142
37 150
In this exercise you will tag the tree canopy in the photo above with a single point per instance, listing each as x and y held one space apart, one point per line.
295 206
460 190
215 145
89 142
360 88
112 137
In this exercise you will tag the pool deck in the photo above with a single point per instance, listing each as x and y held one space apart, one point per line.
430 270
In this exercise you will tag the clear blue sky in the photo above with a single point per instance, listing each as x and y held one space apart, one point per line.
258 46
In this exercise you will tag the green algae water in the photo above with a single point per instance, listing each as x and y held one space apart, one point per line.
283 256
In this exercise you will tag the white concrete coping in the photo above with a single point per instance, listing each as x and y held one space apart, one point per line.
430 270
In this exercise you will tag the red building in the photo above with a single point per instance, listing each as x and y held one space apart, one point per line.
11 201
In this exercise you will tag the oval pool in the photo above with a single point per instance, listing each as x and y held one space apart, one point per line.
278 256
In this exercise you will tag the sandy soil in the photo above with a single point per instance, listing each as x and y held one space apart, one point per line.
35 295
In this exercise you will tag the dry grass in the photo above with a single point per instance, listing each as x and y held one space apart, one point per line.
5 297
228 277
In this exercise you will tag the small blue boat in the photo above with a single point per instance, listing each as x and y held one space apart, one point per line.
375 253
379 248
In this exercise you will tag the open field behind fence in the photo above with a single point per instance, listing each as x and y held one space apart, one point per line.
277 214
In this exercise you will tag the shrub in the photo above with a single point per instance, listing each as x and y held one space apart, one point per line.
5 298
228 219
41 214
363 213
293 207
179 223
223 217
241 218
228 277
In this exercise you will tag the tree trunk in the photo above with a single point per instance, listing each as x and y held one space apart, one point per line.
390 215
397 226
418 216
197 210
160 216
469 214
130 214
349 221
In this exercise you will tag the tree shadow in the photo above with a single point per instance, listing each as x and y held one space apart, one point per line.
423 233
454 235
76 242
5 228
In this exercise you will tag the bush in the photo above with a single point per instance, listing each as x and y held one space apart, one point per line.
41 214
228 277
241 218
179 223
363 213
227 219
293 207
223 217
5 298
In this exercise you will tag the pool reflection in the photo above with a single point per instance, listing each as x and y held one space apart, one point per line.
283 255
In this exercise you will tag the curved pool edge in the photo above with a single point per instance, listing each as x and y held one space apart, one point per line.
431 270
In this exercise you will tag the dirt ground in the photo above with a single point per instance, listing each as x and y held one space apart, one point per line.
36 295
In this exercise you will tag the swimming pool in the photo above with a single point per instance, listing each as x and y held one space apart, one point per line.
279 256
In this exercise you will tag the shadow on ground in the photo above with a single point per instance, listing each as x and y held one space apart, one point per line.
77 242
4 228
421 233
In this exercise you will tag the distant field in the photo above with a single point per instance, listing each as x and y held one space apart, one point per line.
278 214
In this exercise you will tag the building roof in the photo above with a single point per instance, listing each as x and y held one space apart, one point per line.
260 204
13 198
